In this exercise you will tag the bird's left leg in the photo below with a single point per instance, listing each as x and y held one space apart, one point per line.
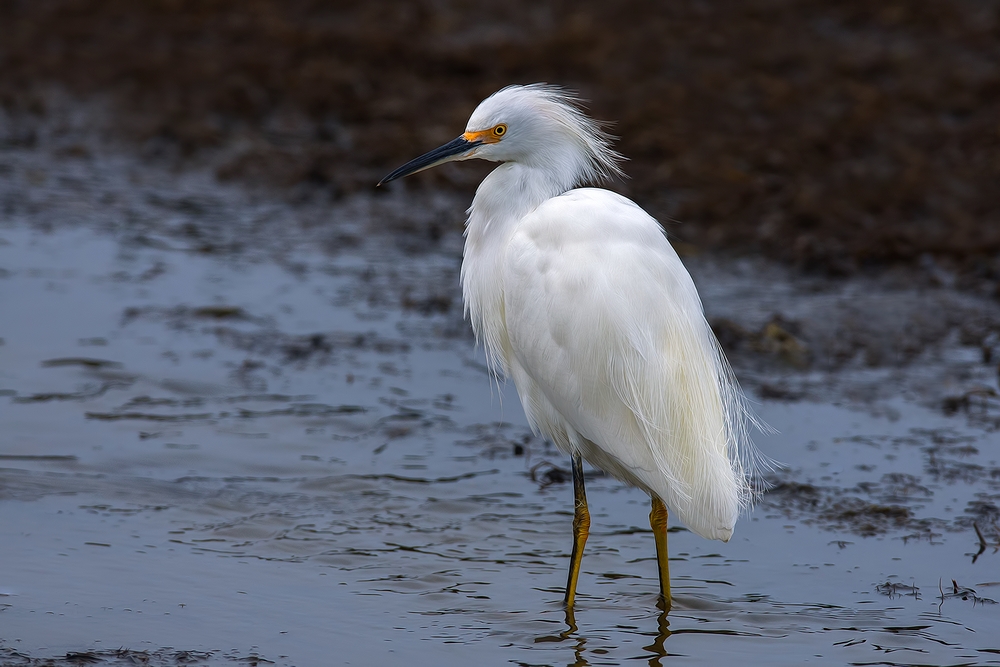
581 529
658 522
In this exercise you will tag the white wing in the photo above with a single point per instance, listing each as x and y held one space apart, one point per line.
612 356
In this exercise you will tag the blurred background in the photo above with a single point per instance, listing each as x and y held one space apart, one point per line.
834 136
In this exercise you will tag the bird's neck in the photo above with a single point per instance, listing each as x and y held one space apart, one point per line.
509 193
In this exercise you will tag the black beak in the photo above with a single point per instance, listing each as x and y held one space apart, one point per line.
445 153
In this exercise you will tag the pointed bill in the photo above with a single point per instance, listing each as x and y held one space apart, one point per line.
453 150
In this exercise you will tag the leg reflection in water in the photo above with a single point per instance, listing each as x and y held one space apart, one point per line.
657 648
569 634
581 642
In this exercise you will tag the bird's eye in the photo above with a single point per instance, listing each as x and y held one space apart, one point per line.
499 130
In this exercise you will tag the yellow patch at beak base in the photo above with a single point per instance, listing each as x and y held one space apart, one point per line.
482 136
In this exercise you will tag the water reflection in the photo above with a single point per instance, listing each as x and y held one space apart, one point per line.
577 642
657 648
571 633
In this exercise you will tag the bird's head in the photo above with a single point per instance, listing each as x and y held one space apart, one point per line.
537 125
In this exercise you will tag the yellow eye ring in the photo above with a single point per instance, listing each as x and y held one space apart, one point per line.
500 130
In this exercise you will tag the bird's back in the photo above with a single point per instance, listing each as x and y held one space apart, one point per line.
605 338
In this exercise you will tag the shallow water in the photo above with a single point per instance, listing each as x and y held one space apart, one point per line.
274 456
170 497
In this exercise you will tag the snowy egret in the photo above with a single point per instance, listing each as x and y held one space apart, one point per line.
576 295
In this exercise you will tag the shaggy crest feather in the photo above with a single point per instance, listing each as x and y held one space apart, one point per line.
563 108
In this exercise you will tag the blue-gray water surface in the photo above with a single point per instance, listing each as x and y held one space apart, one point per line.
288 451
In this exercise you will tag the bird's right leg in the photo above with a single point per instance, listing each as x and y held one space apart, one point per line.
581 529
658 522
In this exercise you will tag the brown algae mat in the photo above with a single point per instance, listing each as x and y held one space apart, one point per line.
835 136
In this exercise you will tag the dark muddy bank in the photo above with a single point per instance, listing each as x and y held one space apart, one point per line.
833 136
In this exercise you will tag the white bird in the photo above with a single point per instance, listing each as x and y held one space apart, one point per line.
576 295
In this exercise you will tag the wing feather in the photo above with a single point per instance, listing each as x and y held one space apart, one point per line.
612 356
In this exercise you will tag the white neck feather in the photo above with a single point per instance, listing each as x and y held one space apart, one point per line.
510 192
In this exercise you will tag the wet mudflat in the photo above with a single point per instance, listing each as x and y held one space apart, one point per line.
237 429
